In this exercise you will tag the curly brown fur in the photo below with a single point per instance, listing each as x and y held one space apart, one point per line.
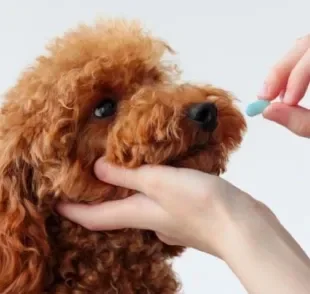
50 139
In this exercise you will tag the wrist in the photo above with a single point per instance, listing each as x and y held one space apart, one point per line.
227 216
264 255
250 229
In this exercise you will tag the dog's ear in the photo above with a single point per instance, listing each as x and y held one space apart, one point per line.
23 240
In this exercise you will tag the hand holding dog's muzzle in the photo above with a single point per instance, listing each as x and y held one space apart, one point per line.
184 207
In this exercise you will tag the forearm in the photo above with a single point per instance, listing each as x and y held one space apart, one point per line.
265 257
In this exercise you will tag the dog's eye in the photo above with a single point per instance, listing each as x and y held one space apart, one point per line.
105 109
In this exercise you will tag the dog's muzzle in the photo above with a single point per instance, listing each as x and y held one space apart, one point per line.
205 115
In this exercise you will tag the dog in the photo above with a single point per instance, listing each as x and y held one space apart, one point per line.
108 89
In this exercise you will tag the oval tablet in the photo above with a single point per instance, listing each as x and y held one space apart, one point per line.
257 107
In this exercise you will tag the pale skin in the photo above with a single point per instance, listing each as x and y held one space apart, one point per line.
210 214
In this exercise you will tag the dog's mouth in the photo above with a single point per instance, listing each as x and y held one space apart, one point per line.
193 151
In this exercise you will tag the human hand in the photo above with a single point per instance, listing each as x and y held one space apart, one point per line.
189 208
184 207
290 79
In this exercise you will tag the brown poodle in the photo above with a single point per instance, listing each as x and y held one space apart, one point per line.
100 90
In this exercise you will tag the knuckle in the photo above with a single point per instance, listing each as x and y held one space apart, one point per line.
151 182
278 71
209 190
302 128
302 70
299 125
125 178
294 78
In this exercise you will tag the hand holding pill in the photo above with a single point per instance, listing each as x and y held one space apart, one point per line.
289 79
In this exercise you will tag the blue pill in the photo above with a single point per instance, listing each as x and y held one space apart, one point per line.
257 107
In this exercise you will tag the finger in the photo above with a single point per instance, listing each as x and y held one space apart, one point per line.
136 211
161 183
146 179
298 81
294 118
277 78
118 176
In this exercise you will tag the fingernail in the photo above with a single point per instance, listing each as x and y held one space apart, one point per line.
100 168
264 92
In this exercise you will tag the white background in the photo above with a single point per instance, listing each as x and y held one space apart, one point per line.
231 44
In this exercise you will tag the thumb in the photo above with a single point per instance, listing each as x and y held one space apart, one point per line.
294 118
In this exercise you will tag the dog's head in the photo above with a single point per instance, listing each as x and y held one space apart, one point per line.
101 90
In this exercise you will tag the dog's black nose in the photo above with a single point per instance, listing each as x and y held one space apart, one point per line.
204 114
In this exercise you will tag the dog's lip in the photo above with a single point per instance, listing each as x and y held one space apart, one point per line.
193 151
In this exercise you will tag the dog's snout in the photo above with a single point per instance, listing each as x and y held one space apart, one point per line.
205 115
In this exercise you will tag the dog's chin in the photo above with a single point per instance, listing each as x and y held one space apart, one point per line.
194 151
199 157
